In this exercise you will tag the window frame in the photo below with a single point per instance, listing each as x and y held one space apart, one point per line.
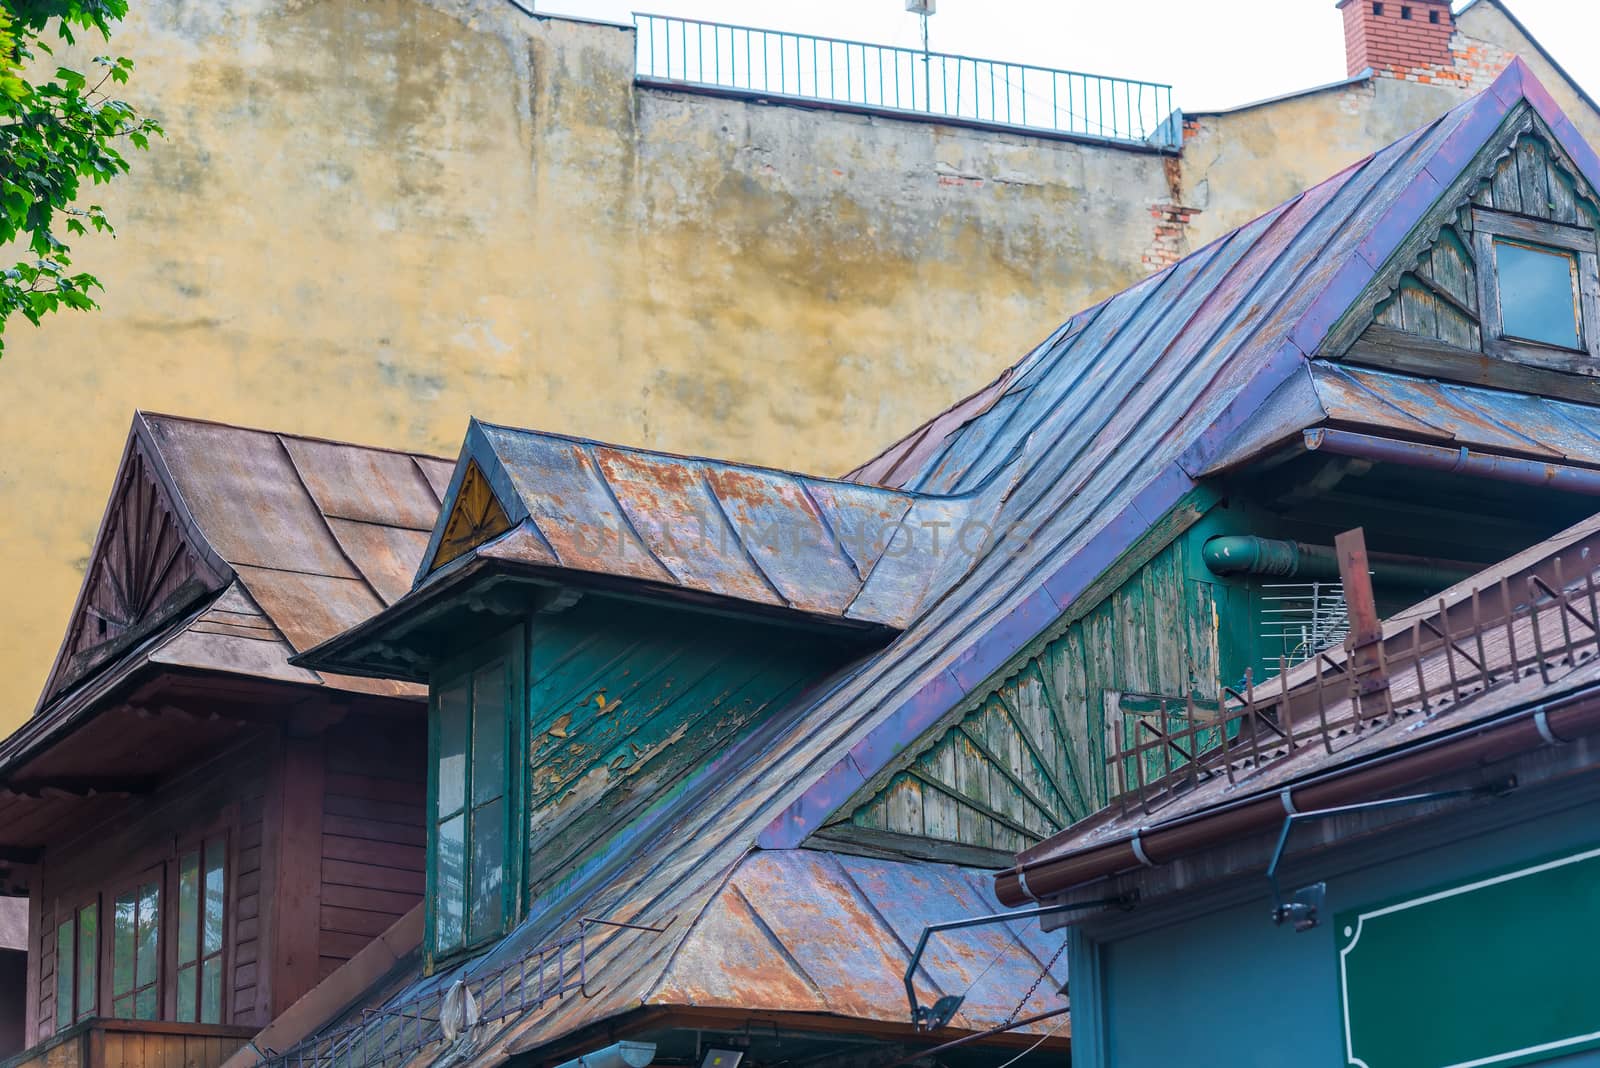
509 646
1487 227
172 922
79 1012
130 882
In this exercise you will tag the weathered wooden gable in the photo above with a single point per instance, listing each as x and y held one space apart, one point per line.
1425 311
147 562
1028 757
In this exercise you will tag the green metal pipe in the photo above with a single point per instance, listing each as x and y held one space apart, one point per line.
1247 554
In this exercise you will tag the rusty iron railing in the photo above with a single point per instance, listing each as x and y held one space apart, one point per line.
398 1031
772 63
1426 664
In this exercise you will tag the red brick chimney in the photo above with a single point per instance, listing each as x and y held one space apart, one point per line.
1397 38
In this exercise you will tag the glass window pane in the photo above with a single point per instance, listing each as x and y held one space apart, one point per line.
88 947
144 1004
216 852
1538 293
147 968
452 748
122 1008
186 993
65 958
211 991
488 869
450 879
188 906
489 733
123 924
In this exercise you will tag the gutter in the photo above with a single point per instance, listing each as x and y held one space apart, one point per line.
1551 723
1463 461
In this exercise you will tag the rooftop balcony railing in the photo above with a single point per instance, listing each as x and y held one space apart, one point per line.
857 74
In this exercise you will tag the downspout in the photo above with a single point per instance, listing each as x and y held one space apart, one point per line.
1044 876
1462 460
1247 554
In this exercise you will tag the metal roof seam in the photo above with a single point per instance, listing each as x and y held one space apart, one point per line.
622 511
738 537
317 507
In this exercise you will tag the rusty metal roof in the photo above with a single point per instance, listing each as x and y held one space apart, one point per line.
1075 454
818 546
297 539
803 930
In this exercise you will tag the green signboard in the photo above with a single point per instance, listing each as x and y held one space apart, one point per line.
1503 970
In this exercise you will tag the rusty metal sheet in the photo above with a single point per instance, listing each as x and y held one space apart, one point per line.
1345 401
1427 402
387 556
572 506
368 485
781 529
309 609
1572 430
437 472
671 506
754 534
806 930
245 495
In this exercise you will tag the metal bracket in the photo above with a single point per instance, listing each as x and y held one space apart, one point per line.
1305 907
935 1016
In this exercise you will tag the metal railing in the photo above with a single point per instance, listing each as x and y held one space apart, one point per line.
398 1031
1495 635
772 63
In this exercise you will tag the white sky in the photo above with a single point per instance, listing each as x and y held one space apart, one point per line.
1215 53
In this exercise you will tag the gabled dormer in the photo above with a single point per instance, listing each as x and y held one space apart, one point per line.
1499 284
601 629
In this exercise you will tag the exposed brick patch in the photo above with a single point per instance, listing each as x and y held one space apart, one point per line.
1171 241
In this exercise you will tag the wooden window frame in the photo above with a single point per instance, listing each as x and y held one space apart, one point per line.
172 921
511 646
156 871
77 1012
1487 226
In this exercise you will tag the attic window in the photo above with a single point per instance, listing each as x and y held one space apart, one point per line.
1377 9
1539 289
1405 13
1433 17
1538 293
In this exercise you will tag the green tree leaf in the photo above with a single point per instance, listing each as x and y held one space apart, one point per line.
56 130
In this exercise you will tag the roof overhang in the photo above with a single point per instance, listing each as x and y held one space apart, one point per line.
480 594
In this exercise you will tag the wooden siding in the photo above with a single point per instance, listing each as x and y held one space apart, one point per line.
136 1044
1029 759
1437 298
625 702
205 800
373 835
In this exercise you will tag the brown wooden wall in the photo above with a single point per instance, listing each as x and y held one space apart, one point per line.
373 835
325 851
144 831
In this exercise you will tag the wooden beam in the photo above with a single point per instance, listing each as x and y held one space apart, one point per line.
294 837
1366 629
78 786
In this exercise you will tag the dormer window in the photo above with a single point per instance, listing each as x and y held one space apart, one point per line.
1538 294
1538 284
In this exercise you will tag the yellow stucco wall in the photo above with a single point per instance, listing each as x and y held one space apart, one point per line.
372 218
